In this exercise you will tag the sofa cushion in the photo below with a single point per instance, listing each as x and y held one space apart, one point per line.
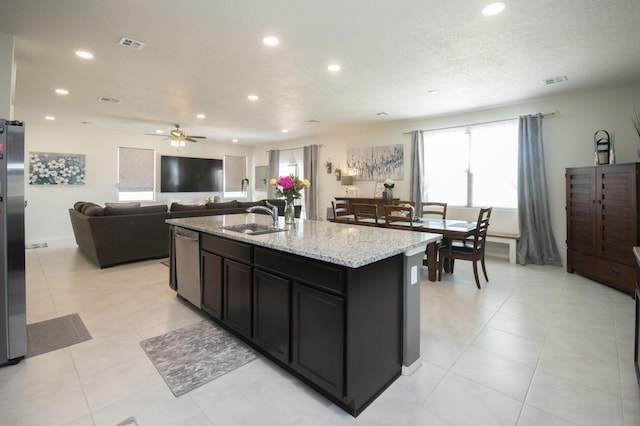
127 205
78 205
247 204
177 207
226 205
118 211
278 202
91 209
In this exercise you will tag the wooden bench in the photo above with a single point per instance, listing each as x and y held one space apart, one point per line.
502 238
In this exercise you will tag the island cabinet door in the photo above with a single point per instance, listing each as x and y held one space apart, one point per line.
318 337
211 276
271 308
237 297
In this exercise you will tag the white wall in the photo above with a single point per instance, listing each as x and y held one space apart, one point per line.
568 141
568 138
47 217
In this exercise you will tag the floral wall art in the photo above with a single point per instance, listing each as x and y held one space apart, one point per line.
47 168
376 163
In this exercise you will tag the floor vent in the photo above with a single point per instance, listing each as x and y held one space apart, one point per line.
36 245
554 80
129 42
109 100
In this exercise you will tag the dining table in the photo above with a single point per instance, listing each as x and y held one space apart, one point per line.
450 229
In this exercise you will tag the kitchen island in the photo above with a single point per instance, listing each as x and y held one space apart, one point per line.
337 305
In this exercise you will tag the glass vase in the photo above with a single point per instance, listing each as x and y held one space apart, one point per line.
289 212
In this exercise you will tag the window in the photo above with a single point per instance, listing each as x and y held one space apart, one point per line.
235 170
136 174
473 166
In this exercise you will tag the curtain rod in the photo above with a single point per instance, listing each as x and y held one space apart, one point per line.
484 122
291 149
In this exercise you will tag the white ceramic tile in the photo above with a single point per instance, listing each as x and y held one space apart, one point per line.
478 349
571 401
516 348
496 372
465 402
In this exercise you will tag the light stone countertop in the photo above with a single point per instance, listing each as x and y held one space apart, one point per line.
342 244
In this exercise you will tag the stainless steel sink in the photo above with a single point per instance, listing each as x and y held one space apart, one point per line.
252 229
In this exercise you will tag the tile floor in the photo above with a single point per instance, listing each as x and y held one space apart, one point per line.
536 346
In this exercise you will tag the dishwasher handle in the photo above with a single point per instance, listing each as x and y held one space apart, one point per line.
182 237
186 235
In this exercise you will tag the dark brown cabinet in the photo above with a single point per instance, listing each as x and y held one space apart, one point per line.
271 319
602 223
211 276
338 329
237 297
318 337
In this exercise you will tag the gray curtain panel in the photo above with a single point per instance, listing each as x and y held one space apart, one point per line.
274 169
311 173
537 244
417 170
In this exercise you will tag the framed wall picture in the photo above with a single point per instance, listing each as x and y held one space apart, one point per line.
378 189
262 180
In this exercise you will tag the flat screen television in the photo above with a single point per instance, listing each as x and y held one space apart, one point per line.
186 174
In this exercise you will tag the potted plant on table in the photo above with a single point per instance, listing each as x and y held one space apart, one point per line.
389 184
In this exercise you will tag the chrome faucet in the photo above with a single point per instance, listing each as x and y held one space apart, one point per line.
273 211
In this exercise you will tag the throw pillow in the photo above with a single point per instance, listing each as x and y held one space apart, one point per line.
226 205
118 211
177 207
91 209
123 205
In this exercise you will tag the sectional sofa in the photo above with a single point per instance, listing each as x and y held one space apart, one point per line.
127 232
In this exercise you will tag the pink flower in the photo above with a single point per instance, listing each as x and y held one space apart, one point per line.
286 182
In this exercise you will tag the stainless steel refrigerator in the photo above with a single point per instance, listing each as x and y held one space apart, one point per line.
13 312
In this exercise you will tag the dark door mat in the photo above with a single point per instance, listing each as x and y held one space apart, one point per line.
195 355
57 333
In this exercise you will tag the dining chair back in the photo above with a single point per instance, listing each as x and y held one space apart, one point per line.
365 213
434 209
340 208
468 249
398 216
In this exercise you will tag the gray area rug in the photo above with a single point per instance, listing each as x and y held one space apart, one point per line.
194 355
57 333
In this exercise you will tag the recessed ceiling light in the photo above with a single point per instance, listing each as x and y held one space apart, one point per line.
493 8
83 54
200 116
432 92
159 132
62 91
49 117
285 130
234 140
334 67
271 41
252 97
382 113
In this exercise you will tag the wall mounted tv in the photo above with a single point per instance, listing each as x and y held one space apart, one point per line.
186 174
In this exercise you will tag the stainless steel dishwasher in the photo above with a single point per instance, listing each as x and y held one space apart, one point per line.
188 265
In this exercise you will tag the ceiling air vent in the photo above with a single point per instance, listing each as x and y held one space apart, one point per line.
108 100
554 80
129 42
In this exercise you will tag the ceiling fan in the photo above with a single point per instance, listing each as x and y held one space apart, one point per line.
179 137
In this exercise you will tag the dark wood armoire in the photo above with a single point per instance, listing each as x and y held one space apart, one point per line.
602 223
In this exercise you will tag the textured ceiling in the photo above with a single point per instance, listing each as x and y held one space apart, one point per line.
206 56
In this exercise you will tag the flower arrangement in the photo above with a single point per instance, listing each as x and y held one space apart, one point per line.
289 187
389 184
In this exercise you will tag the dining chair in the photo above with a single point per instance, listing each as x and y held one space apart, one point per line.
398 216
365 213
471 249
438 210
340 208
433 208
